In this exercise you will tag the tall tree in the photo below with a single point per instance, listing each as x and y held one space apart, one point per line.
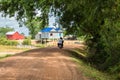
34 26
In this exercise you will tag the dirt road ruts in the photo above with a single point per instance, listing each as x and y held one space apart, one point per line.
40 64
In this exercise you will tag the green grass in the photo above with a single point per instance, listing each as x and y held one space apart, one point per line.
6 51
92 72
40 45
87 69
5 56
11 49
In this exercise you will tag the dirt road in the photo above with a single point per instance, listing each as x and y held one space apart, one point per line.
40 64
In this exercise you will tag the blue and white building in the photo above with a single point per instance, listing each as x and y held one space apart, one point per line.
49 33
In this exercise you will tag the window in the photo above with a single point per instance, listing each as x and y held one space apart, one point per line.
51 34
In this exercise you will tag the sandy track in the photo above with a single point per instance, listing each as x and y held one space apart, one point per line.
40 64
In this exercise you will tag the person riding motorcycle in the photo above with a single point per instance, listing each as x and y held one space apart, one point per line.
60 42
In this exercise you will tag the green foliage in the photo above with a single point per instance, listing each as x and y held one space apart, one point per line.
34 26
4 41
106 51
27 12
4 30
27 41
98 20
111 40
81 38
79 55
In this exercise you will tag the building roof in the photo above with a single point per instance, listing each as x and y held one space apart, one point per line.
50 29
46 29
57 29
10 33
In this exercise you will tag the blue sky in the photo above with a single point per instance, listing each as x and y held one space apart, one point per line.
11 22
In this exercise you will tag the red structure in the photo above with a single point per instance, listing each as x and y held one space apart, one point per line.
14 36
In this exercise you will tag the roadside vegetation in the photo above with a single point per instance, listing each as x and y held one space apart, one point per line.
8 50
4 41
81 57
4 48
92 72
9 46
5 56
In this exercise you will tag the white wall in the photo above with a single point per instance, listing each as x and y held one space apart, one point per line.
48 35
45 35
56 35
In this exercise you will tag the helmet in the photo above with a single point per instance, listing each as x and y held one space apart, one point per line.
60 37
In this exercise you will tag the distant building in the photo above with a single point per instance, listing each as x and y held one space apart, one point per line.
49 33
14 36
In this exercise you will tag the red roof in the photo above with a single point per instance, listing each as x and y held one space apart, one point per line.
14 36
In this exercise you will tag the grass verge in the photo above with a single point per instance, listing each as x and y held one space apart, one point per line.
92 72
4 48
86 68
5 56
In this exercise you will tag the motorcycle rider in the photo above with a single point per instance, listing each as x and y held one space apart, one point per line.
60 42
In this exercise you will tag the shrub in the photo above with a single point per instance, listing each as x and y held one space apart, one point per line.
27 41
4 41
105 47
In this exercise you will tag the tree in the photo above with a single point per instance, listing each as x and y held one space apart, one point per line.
26 12
34 26
97 19
4 30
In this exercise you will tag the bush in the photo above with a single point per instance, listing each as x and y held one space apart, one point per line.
27 41
4 41
105 47
12 43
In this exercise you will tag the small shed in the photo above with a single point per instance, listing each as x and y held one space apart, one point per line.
49 33
14 36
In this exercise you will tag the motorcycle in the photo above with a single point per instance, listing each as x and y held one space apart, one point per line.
60 46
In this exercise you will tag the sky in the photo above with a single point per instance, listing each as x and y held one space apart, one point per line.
11 22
